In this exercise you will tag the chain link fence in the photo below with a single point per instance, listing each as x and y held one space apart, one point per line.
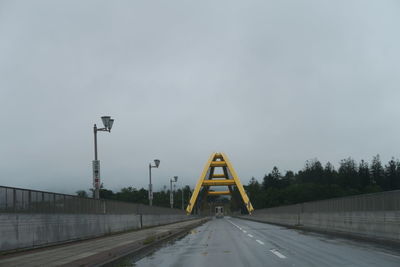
18 200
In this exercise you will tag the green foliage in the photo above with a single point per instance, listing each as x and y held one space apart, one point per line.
81 193
131 194
315 182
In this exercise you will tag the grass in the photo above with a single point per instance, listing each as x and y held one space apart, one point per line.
149 240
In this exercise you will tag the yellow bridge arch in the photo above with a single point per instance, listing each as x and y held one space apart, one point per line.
228 177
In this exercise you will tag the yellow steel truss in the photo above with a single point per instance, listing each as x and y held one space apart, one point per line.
228 178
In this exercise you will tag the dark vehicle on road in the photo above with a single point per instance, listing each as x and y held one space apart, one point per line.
219 212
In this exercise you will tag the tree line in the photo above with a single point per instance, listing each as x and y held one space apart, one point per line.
132 194
317 182
314 182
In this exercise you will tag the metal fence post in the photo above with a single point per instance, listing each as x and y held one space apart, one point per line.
14 199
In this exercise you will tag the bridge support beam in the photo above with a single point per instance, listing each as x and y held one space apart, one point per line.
228 178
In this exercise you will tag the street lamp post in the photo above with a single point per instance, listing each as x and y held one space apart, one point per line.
171 196
108 123
156 164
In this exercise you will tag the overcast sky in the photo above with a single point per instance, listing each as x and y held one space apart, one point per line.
267 82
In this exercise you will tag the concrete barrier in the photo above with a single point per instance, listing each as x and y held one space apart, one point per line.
371 216
22 231
32 218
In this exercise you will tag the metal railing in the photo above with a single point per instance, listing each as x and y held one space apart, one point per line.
382 201
18 200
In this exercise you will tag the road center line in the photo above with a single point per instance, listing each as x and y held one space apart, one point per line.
260 242
250 235
244 231
237 226
277 253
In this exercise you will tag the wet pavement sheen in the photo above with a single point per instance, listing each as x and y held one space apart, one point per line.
233 242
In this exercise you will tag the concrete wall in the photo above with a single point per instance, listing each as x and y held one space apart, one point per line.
375 216
19 231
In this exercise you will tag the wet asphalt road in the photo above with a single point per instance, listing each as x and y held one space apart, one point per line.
230 242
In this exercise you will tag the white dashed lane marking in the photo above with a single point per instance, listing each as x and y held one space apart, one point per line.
277 253
260 242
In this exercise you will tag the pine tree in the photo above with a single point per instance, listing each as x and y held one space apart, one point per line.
364 174
377 172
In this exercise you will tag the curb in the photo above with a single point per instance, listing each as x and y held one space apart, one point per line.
137 249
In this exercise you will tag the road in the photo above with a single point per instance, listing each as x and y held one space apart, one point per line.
230 242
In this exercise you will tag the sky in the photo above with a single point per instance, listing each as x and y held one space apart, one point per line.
270 83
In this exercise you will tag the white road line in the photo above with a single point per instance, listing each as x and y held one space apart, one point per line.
235 224
240 228
388 254
250 235
277 253
259 241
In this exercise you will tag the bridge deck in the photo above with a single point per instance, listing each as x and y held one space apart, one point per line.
233 242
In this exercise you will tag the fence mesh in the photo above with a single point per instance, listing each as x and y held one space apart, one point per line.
13 200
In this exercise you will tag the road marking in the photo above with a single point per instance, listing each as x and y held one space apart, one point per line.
240 228
250 235
277 253
388 254
259 241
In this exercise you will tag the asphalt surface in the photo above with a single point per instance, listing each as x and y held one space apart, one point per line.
230 242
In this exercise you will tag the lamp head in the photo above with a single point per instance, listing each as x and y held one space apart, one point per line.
110 124
157 162
106 121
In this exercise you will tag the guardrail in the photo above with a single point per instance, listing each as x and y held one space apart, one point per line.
19 200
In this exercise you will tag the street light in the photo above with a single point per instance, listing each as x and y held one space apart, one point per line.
171 196
156 164
108 123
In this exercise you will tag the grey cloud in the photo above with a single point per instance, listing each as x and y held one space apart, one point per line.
267 82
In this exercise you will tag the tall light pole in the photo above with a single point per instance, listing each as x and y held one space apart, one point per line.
108 123
171 196
156 164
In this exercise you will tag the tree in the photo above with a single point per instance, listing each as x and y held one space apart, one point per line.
106 194
377 172
272 179
312 172
392 175
364 174
329 174
348 175
82 193
254 191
